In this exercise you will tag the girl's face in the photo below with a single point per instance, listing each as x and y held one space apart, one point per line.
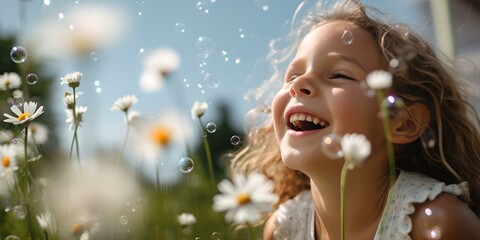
321 94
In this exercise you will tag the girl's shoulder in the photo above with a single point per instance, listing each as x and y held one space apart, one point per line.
445 217
420 207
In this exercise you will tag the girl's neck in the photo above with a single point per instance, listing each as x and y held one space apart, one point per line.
366 192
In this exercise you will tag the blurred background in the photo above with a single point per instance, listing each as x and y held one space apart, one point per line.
222 47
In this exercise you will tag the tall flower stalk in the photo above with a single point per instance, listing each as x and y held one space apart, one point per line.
124 104
198 110
29 113
356 148
380 80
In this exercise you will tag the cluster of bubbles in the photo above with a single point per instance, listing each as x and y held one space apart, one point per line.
215 236
98 88
19 54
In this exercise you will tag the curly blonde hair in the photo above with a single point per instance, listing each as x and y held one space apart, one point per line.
422 78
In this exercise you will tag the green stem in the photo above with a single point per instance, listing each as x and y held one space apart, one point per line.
124 145
209 155
386 129
76 123
251 231
343 179
27 193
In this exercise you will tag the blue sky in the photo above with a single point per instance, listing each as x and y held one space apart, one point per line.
240 31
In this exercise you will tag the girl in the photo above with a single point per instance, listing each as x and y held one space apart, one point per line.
321 94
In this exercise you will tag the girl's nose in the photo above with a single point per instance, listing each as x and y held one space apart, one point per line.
301 87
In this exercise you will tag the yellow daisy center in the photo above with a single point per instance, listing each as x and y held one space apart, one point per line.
23 116
6 161
77 228
161 135
243 198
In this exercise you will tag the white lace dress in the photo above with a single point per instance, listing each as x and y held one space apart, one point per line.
296 217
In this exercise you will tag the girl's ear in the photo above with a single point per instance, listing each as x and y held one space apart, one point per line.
409 124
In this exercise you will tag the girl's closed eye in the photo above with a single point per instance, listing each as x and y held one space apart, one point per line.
290 78
338 75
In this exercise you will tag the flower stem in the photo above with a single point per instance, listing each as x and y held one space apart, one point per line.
124 145
251 231
75 120
27 192
386 129
209 155
343 178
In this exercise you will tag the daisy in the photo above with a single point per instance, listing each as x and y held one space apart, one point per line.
246 198
47 223
134 119
29 113
83 225
68 99
8 157
379 79
356 148
186 219
198 109
79 111
72 79
9 81
157 66
124 103
39 133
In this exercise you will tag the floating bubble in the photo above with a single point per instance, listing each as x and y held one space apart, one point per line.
186 165
46 2
392 105
212 80
429 139
123 220
12 237
204 45
93 56
8 208
17 141
347 37
96 83
71 27
235 140
180 27
211 127
331 146
20 211
237 60
262 4
60 16
141 50
32 78
140 13
18 54
202 7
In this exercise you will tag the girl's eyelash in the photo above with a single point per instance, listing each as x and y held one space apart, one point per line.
340 75
290 78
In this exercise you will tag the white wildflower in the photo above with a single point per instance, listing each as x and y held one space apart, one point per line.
30 112
124 103
47 223
72 79
68 99
186 219
246 198
356 148
38 133
79 111
198 109
379 79
17 93
8 157
9 81
157 66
